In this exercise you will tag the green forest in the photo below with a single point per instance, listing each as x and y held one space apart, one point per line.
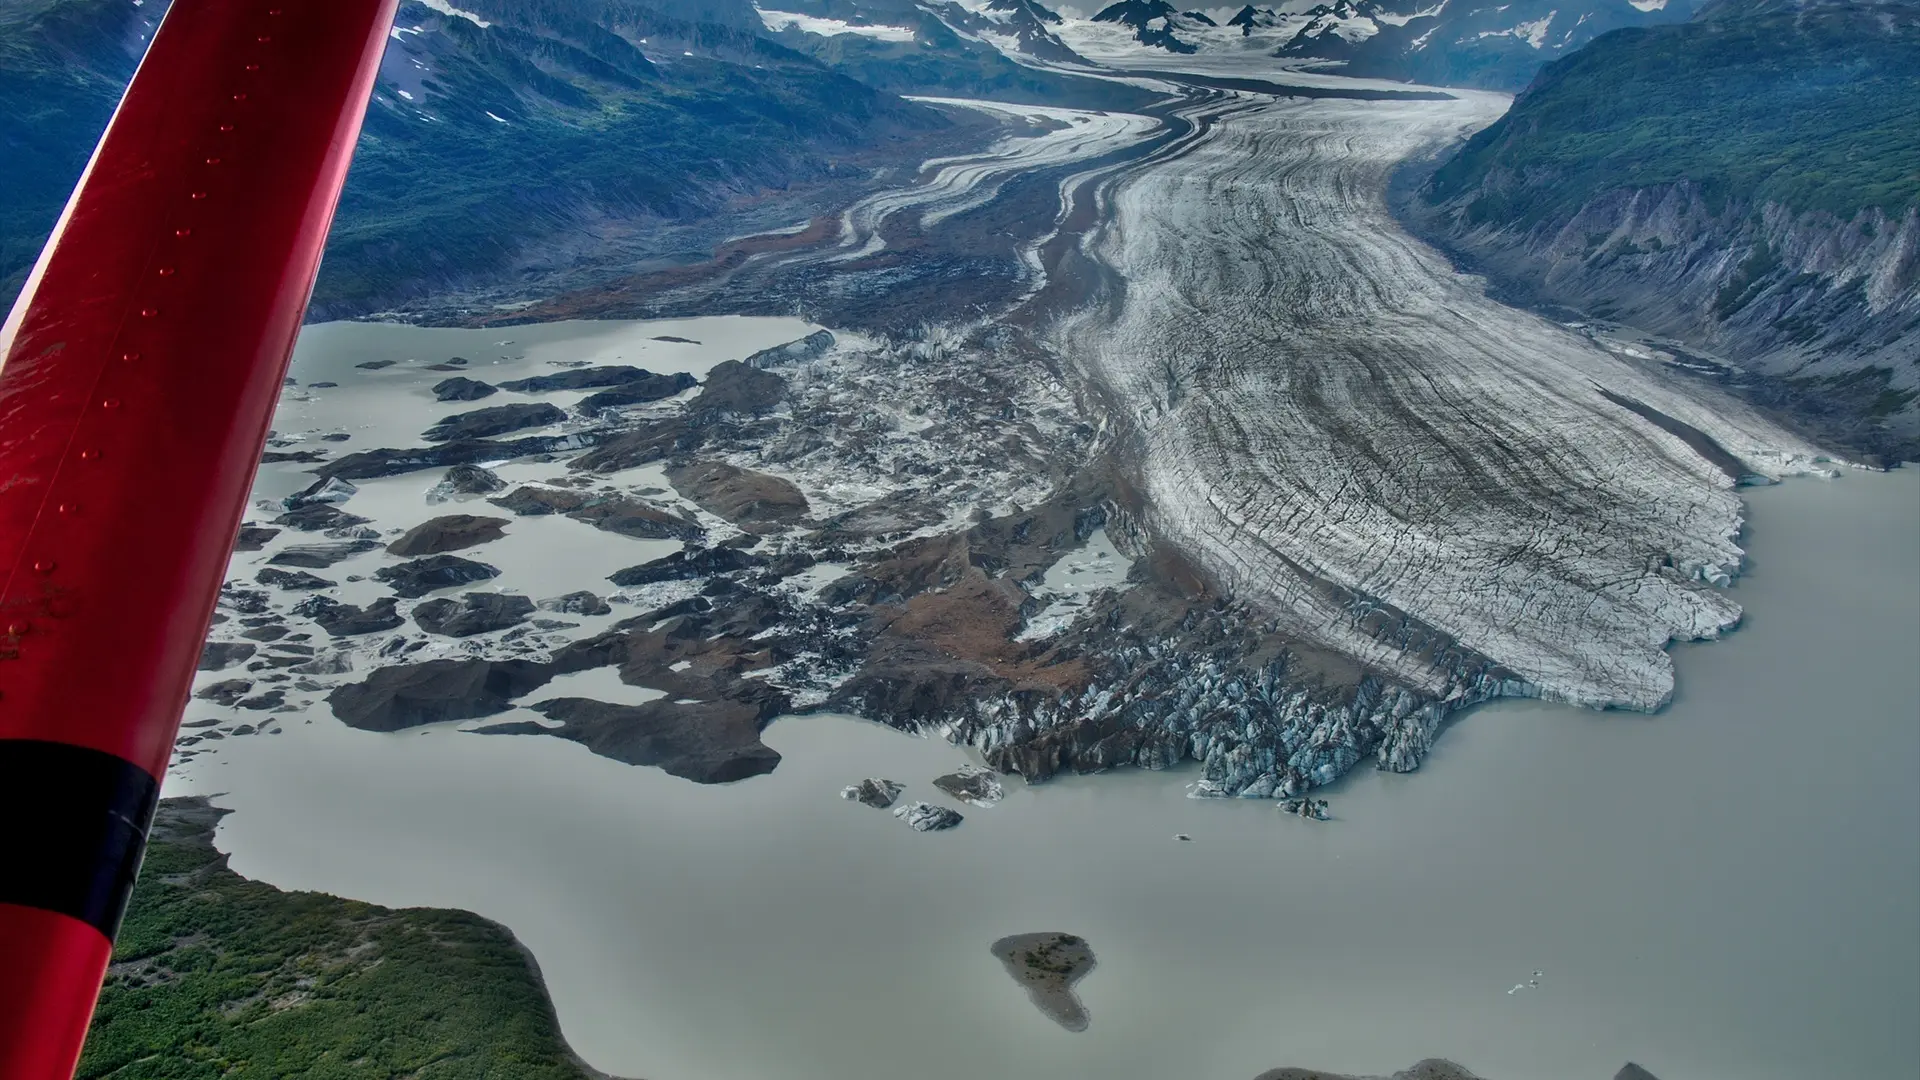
218 976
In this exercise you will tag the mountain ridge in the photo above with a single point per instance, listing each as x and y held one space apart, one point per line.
1766 210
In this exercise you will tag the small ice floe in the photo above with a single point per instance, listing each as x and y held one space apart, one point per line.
875 792
1530 984
926 817
1314 809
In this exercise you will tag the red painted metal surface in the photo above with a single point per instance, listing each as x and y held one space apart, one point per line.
50 968
141 370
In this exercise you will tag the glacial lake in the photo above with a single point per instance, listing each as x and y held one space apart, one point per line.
1728 890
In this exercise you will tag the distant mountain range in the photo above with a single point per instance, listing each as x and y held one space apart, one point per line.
1442 42
1748 182
510 138
945 47
1466 42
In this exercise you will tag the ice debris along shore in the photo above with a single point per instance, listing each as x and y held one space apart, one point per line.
1048 965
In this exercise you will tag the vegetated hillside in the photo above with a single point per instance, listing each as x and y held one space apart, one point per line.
1463 42
563 126
1748 182
218 976
520 140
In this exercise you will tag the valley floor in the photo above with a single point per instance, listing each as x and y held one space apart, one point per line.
1130 440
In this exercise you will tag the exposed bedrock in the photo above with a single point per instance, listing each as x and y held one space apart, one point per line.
705 727
496 420
409 695
422 576
708 742
474 613
640 390
611 513
452 532
1387 466
752 500
460 388
1431 1069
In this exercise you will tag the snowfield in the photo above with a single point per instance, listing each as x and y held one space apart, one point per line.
778 21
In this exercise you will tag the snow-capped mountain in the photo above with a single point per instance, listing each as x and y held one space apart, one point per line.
1015 27
1157 23
1465 42
1249 19
1019 26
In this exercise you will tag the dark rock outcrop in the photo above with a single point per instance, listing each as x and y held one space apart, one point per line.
755 501
317 516
682 565
576 603
391 462
497 420
645 444
242 601
453 532
321 556
474 613
807 348
226 692
349 620
610 513
461 388
422 576
472 480
220 655
710 742
1431 1069
640 391
408 695
733 387
292 580
590 378
327 489
254 538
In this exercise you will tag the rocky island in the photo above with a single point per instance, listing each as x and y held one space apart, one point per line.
1431 1069
1048 965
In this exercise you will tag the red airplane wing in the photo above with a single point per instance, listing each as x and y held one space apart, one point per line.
141 368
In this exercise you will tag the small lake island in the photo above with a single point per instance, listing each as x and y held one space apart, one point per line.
1048 965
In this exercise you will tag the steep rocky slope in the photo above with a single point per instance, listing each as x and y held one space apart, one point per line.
1765 209
507 143
992 49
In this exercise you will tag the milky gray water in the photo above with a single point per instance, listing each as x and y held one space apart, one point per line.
1729 890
